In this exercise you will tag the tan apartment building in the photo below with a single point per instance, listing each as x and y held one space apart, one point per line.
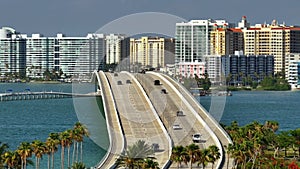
226 41
153 52
277 40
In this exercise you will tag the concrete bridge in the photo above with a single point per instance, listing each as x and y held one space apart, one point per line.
137 109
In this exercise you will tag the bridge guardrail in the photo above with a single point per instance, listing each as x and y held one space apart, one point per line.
207 128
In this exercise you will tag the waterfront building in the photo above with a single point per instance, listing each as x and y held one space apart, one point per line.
190 69
153 52
12 52
193 39
32 56
113 48
213 68
292 69
226 41
239 68
275 39
39 55
78 55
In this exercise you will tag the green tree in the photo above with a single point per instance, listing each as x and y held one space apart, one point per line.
203 158
52 143
148 163
11 159
25 151
214 154
79 131
179 155
78 165
64 138
193 152
38 148
203 82
296 135
3 149
135 153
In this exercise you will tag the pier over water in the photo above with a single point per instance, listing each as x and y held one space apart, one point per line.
11 96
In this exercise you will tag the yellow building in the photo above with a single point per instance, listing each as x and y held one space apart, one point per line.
274 39
151 52
226 41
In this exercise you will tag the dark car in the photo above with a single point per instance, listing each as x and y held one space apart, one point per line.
119 82
156 82
116 74
164 91
128 81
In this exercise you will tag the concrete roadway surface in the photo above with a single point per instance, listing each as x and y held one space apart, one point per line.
167 106
137 118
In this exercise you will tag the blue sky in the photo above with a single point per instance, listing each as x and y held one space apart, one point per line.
79 17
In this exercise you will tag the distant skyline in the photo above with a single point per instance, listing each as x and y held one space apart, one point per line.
79 17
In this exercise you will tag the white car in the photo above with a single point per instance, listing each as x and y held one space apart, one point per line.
196 137
176 127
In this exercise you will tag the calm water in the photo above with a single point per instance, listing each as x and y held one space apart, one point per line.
248 106
35 119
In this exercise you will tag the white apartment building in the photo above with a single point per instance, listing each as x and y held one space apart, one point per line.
193 39
113 48
12 52
21 55
292 69
213 68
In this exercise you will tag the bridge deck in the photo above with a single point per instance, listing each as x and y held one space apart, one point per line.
210 121
115 131
138 120
168 104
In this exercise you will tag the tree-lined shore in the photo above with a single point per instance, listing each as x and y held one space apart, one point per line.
255 146
56 142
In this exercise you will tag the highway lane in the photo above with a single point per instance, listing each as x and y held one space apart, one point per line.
113 124
167 105
137 118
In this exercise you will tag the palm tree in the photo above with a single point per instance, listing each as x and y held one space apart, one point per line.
25 151
3 149
79 165
69 142
38 148
214 154
82 131
138 151
229 151
273 125
52 143
11 159
193 152
63 137
296 135
77 136
203 158
178 155
150 164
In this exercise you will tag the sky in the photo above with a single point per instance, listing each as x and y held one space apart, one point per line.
79 17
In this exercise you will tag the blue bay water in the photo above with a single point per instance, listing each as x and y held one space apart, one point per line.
34 119
248 106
